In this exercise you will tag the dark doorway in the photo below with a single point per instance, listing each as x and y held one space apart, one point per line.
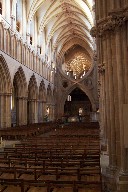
77 105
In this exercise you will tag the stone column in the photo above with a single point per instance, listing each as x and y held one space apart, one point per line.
5 110
120 91
24 115
34 111
8 110
40 111
111 104
125 59
115 88
21 111
53 118
44 110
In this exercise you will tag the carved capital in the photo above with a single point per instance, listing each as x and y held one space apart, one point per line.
93 31
113 22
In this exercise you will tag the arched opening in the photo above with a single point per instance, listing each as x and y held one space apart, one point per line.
32 105
77 106
18 99
5 94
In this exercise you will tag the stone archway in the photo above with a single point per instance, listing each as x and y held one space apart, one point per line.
32 101
19 98
78 105
63 98
5 94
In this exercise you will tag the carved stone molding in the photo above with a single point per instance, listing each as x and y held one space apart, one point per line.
99 82
111 23
13 17
101 69
95 56
98 92
4 24
88 82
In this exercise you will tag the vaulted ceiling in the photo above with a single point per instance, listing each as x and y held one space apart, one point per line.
65 23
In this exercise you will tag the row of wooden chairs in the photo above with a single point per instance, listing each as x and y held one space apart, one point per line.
53 162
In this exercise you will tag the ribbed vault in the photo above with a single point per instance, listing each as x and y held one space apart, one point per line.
63 23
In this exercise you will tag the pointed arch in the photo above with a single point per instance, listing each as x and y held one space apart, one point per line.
86 91
49 94
5 78
42 91
33 88
20 82
5 94
32 105
19 95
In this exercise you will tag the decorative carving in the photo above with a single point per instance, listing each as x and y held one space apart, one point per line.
95 56
111 23
4 24
101 69
99 92
93 31
13 17
99 82
88 83
65 84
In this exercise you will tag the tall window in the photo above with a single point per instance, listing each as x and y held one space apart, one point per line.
17 23
31 40
0 8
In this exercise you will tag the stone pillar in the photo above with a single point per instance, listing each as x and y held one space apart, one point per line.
53 112
24 116
112 105
40 111
5 110
21 111
120 76
8 110
34 111
44 110
115 88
